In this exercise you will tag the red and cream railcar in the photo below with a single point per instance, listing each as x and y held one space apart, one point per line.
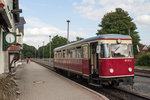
104 59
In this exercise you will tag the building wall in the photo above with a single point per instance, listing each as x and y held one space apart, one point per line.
8 7
19 38
4 54
2 61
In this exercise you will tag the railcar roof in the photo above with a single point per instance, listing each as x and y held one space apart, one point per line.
105 36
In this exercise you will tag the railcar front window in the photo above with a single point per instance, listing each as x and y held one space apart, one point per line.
105 51
131 50
119 50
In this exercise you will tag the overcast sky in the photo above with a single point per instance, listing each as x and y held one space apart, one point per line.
48 17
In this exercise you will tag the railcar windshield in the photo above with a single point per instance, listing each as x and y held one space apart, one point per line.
131 50
119 50
105 51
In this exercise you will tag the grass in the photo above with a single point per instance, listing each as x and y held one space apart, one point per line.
144 67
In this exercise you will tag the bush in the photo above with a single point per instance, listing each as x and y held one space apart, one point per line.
144 60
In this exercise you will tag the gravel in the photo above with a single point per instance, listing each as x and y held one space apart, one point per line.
8 87
141 85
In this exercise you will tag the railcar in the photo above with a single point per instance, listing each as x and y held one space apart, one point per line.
104 59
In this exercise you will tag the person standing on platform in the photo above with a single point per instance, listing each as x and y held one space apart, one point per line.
27 59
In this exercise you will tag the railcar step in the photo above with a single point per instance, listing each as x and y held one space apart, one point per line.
96 85
96 79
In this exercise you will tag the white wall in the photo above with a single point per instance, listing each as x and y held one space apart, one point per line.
1 54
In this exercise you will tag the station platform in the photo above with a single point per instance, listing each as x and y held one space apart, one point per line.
39 83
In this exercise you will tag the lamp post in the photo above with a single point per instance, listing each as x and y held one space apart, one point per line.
38 52
43 50
50 46
129 31
68 21
35 53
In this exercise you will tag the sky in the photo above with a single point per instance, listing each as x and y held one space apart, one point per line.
46 18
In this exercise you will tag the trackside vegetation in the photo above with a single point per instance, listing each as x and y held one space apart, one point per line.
143 60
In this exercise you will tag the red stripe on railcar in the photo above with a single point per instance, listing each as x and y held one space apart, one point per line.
73 64
85 67
120 66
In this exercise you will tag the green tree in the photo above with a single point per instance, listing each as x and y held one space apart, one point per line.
28 51
77 39
57 41
119 22
149 48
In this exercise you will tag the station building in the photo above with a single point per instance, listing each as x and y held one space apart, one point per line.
11 34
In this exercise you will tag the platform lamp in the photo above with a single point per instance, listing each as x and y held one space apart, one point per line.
50 46
68 21
38 52
43 50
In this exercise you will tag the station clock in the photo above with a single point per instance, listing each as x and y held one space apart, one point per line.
8 40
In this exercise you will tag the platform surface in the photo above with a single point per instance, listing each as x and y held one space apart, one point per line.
38 83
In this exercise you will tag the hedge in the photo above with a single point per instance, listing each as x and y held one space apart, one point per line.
144 60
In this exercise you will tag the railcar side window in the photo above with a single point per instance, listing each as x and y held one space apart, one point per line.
79 52
119 50
105 51
130 50
73 53
85 52
64 53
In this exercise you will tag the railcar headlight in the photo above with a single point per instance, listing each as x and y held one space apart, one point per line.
111 70
130 69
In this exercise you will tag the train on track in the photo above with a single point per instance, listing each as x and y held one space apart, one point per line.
104 59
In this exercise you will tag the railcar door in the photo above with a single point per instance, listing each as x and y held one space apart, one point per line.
85 60
94 60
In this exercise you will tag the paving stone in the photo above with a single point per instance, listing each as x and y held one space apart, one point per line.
39 83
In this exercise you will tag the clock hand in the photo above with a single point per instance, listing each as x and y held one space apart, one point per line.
10 39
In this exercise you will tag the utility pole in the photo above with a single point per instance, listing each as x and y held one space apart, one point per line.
68 21
43 50
129 31
35 53
38 52
50 46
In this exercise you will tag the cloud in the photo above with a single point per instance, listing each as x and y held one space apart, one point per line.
36 32
88 1
139 10
143 21
95 11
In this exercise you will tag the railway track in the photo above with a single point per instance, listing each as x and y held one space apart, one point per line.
142 72
113 93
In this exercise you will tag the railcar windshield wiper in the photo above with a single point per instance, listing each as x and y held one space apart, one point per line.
116 49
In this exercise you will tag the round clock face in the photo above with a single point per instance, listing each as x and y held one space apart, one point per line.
10 38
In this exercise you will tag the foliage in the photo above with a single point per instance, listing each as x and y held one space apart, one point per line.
57 41
28 51
77 39
119 22
143 60
149 48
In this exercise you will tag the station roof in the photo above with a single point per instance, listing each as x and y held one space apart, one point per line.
20 25
105 36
